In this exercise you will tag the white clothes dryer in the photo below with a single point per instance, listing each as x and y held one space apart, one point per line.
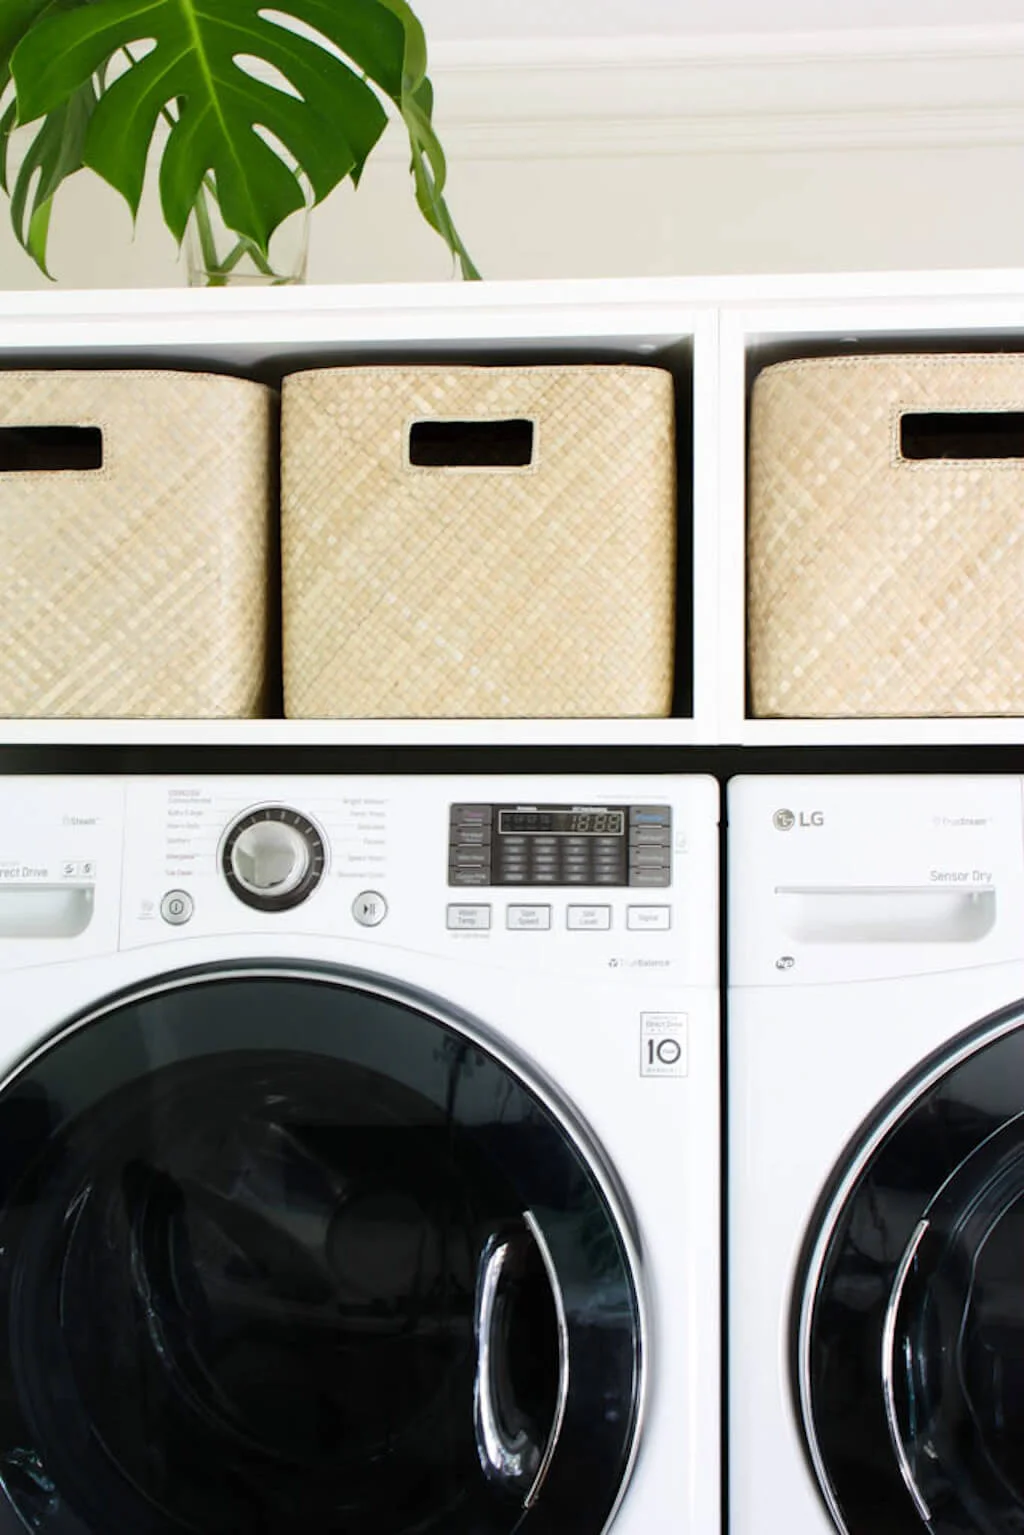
359 1156
875 1043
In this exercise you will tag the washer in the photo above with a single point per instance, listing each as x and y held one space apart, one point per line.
876 1155
359 1156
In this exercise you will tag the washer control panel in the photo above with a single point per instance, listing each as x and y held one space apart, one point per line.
580 875
536 845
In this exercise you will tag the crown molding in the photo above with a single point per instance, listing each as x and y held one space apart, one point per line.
638 96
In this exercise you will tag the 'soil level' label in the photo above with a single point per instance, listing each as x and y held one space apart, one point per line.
663 1045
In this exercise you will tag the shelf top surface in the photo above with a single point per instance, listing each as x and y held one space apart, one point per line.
452 301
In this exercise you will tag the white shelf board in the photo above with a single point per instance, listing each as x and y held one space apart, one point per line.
402 314
383 733
882 732
249 328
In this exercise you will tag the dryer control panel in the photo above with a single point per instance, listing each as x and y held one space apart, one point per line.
847 877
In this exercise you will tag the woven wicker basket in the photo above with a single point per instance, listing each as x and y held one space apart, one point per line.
881 584
544 588
137 588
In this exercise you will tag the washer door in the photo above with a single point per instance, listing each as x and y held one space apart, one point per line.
284 1251
911 1335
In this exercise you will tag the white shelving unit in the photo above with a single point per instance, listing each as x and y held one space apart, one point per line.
713 334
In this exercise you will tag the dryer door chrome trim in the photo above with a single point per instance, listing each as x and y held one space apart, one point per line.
822 1228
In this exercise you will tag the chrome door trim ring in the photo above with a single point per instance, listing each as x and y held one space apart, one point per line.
946 1059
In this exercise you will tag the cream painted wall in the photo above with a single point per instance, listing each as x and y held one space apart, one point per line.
657 157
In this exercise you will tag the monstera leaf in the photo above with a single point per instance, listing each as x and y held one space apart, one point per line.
55 152
201 67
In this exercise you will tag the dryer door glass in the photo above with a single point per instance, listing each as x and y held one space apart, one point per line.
284 1254
912 1369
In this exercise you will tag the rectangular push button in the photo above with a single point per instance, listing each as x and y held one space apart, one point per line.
648 918
649 858
650 836
466 918
588 918
473 836
528 918
650 877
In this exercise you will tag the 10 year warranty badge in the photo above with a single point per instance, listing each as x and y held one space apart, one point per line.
663 1042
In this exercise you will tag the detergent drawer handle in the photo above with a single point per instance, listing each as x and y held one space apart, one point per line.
511 1450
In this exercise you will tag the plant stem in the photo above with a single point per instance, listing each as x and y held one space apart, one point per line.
207 244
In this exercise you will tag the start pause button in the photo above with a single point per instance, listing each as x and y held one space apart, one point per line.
663 1045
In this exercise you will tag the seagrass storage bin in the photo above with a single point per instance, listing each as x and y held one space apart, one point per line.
478 541
886 537
135 516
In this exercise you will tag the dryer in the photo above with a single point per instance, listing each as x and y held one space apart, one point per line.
359 1155
875 1041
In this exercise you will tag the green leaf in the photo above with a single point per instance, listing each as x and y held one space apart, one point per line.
54 154
429 171
191 73
16 19
414 63
6 127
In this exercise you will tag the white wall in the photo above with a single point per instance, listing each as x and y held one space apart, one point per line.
595 157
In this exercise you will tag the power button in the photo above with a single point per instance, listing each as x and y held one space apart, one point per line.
177 907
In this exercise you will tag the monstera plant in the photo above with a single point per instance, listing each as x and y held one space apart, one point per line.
248 112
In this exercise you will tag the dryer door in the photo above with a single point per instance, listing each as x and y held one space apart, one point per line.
910 1361
285 1251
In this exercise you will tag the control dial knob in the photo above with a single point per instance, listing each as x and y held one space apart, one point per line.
273 858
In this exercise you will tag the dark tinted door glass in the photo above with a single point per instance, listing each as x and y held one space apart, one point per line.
915 1369
245 1227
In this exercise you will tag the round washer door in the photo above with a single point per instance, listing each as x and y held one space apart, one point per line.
285 1251
910 1338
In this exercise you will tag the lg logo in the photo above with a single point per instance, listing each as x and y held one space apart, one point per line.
785 820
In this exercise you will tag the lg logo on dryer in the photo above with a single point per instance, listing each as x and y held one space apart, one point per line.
785 820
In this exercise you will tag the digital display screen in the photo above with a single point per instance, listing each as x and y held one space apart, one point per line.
564 823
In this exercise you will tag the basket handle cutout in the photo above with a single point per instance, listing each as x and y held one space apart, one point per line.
49 448
471 444
962 434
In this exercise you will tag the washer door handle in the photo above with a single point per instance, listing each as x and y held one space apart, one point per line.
508 1446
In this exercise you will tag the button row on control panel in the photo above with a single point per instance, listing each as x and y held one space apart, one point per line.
538 918
369 908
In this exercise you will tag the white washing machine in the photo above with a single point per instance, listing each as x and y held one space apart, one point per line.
875 1044
359 1156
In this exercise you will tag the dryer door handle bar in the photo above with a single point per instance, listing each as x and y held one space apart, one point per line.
889 1370
510 1450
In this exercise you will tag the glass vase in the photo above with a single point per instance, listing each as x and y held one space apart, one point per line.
218 257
